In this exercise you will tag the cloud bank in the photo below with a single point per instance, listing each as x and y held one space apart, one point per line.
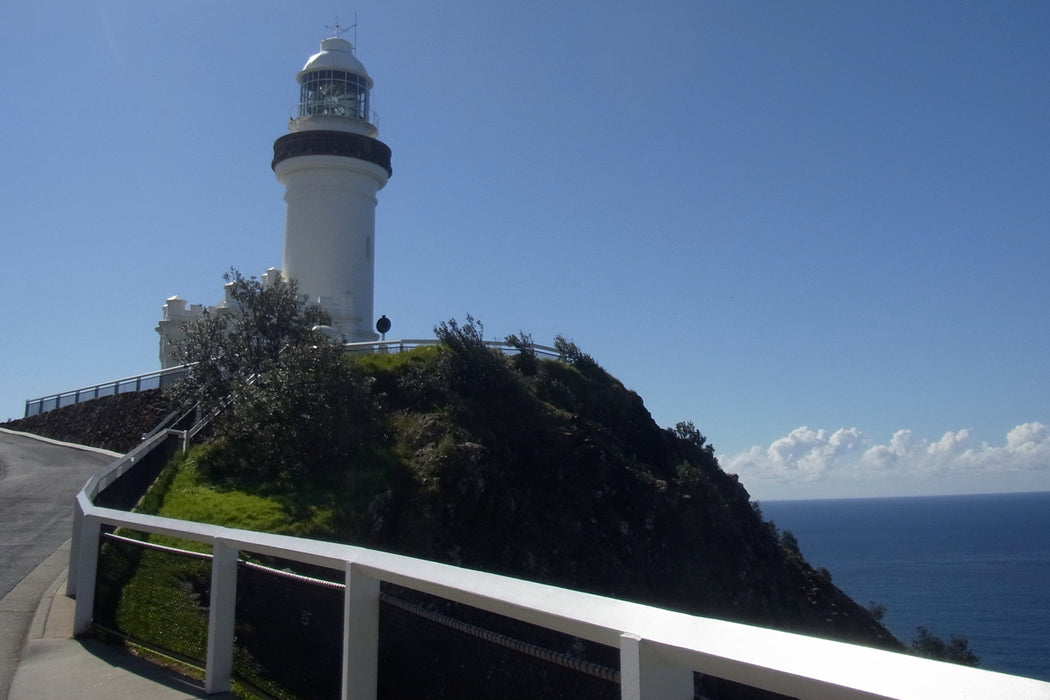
846 462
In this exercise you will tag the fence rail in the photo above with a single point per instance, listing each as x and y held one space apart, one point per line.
140 382
403 345
659 650
165 377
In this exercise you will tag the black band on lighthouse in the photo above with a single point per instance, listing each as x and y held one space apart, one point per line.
332 143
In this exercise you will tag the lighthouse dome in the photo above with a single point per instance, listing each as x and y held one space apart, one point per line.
335 54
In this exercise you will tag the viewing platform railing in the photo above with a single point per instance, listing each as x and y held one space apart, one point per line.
403 345
165 377
658 649
140 382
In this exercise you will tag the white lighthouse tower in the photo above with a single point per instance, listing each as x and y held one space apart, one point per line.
332 166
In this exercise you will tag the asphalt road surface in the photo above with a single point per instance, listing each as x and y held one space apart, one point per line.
38 481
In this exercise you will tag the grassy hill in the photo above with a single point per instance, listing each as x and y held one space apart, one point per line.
542 469
548 470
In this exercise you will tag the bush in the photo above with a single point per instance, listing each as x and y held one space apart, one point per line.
300 422
232 345
956 650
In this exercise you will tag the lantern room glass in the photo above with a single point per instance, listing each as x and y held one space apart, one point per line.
334 92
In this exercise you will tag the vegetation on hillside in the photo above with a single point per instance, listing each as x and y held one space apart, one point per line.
956 650
544 469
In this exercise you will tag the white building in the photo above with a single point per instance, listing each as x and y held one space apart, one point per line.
331 166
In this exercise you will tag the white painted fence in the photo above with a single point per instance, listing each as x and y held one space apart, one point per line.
140 382
659 649
165 377
403 345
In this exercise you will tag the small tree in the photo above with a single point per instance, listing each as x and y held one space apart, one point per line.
525 361
689 432
469 366
569 352
302 422
956 650
230 345
296 410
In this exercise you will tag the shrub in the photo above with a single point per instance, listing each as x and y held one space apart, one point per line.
956 650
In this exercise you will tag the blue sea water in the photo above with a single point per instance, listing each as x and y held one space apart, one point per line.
976 566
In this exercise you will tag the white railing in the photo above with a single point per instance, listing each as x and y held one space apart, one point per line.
139 382
403 345
165 377
659 649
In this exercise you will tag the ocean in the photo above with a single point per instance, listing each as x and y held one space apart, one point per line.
976 566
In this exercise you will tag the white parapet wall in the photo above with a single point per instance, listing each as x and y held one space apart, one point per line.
176 314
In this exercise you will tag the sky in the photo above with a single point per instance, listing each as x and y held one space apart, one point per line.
817 230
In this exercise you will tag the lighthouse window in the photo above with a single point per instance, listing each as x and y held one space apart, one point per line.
335 93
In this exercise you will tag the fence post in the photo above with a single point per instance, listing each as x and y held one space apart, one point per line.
74 550
87 569
221 617
643 675
360 635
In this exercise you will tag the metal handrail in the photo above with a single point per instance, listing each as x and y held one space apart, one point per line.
659 649
411 344
163 377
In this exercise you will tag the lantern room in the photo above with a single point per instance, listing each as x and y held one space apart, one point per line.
334 85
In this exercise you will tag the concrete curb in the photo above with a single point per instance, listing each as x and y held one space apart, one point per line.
22 612
60 624
51 441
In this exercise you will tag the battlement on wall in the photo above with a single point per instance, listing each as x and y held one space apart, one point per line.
176 313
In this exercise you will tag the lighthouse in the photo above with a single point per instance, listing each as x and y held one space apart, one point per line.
332 165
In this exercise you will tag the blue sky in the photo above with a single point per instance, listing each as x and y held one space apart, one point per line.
818 230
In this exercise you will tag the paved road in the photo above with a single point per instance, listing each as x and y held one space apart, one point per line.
38 481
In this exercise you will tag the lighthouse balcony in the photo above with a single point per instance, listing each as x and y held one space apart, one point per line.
332 143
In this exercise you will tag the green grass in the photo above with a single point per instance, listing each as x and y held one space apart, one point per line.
189 496
156 598
377 362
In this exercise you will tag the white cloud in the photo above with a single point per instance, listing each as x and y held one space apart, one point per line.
1027 438
807 453
847 462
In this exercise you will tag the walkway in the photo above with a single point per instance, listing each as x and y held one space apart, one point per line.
51 664
38 656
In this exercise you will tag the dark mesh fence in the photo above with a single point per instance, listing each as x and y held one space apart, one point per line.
289 644
289 633
449 652
125 492
154 597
